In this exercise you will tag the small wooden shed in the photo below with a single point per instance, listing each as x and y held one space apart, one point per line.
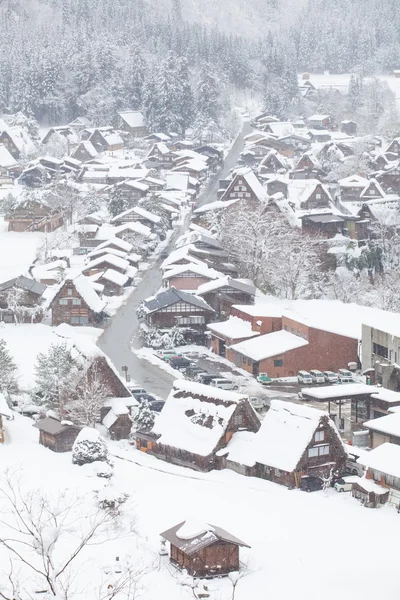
57 435
203 550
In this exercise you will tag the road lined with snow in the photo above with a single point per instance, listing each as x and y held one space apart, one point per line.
123 332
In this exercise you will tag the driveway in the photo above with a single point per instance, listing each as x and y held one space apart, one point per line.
123 331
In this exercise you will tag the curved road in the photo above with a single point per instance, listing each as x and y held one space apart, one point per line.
123 331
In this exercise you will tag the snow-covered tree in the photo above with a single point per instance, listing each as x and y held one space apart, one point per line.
8 371
144 417
56 374
88 397
89 447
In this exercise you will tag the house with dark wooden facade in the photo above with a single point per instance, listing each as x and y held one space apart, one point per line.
308 167
33 216
203 550
273 162
189 277
309 194
245 185
174 307
319 122
28 294
224 292
57 435
196 422
118 420
132 122
293 442
76 303
85 151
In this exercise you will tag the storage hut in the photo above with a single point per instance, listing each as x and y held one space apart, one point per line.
57 435
202 549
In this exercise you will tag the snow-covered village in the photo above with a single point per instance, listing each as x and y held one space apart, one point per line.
199 299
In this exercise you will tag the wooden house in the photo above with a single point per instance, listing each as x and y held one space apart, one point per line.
319 122
85 151
390 178
57 435
196 422
245 185
222 293
394 147
31 215
308 167
325 224
97 137
132 122
161 154
382 479
174 307
17 141
76 303
113 281
273 162
189 277
356 188
118 420
309 194
79 123
107 261
203 550
64 134
349 127
5 413
29 297
293 442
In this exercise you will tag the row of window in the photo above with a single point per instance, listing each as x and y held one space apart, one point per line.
66 301
298 332
79 321
389 479
322 450
380 350
191 320
182 307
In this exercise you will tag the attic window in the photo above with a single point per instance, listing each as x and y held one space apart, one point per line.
319 436
69 291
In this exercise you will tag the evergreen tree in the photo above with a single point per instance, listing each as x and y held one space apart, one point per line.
117 203
144 418
8 371
56 375
167 117
185 98
89 447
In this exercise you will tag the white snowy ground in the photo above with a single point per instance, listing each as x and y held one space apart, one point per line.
303 546
17 251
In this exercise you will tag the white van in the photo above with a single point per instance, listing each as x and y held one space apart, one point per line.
223 384
304 377
317 376
345 376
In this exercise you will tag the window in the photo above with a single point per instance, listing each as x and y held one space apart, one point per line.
318 196
79 321
322 450
278 473
278 363
285 327
319 436
380 350
304 336
291 330
69 291
298 332
238 419
63 301
76 301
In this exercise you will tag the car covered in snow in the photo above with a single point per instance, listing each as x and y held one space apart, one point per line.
317 376
345 484
264 379
304 377
224 384
167 354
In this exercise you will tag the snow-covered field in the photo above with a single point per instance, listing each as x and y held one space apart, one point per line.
17 251
303 546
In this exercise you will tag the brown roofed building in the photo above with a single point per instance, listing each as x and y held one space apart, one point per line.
57 435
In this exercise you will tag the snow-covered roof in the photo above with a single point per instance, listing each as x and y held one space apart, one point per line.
88 147
5 410
198 268
138 210
383 321
261 309
285 433
110 259
234 329
133 118
384 458
21 139
217 205
251 179
6 159
318 117
122 244
178 255
281 129
133 226
353 181
171 296
177 181
377 186
113 139
387 395
86 291
95 253
194 418
270 344
226 281
388 424
115 277
339 391
118 408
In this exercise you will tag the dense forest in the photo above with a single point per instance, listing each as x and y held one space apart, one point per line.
63 58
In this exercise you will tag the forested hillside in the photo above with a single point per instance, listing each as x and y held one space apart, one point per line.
180 61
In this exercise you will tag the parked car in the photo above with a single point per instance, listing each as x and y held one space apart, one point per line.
345 376
304 377
352 465
181 363
193 372
134 390
257 402
330 377
345 484
206 378
264 379
157 405
168 354
164 254
310 484
317 376
145 398
224 384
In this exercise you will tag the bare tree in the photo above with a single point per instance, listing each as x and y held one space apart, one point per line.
46 539
89 396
